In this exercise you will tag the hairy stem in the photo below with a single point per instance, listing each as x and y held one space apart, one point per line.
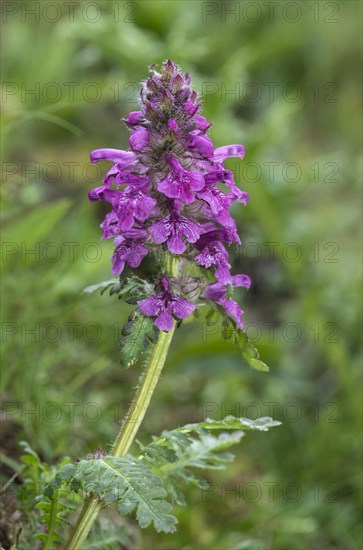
131 424
52 522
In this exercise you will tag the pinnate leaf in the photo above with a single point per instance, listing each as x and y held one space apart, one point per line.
129 483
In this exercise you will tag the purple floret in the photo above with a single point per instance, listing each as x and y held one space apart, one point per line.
165 306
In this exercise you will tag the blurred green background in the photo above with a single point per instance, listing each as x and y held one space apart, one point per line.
284 79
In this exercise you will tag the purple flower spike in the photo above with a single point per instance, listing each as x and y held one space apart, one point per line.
170 193
164 306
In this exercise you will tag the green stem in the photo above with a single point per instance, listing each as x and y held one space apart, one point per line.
131 424
52 522
84 523
143 395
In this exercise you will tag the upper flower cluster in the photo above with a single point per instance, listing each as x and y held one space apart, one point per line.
164 192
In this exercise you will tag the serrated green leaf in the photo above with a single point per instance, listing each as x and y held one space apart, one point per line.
232 423
103 285
137 336
206 452
131 484
67 472
178 454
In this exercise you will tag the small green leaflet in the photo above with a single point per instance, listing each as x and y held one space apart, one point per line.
231 332
130 289
244 345
138 335
249 353
102 286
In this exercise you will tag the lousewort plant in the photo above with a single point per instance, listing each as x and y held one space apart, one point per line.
169 197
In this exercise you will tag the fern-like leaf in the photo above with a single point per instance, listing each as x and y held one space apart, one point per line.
129 483
177 454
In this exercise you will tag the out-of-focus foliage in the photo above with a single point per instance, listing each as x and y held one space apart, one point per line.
286 83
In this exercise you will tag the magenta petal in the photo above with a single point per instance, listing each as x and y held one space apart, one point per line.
138 139
222 274
215 291
136 254
132 179
126 220
213 201
192 232
190 107
114 155
175 244
222 153
219 175
241 280
160 231
232 308
196 180
169 187
118 264
96 194
203 145
187 196
182 308
225 219
143 207
202 122
110 226
165 321
173 125
112 174
244 198
133 117
149 306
